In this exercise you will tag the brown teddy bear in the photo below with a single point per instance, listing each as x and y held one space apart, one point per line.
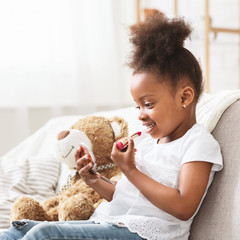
77 201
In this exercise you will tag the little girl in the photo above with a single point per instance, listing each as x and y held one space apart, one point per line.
167 174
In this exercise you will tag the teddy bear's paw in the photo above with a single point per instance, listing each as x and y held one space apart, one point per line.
77 207
51 207
28 208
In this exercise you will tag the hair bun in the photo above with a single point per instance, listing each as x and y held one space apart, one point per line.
158 36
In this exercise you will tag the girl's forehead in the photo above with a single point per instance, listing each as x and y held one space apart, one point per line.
147 82
147 85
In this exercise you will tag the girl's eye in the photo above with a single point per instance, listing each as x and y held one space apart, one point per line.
148 105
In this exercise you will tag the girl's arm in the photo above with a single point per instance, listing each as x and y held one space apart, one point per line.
181 202
84 164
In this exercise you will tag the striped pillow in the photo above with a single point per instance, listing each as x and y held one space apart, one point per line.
36 177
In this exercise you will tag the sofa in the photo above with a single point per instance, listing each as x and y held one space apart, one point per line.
219 214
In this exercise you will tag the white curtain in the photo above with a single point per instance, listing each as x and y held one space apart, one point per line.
64 52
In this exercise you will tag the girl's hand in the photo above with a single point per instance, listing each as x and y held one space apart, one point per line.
124 160
84 164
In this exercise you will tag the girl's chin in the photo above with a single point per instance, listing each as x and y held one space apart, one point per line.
150 130
153 134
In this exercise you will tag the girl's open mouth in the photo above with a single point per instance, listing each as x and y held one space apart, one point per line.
149 127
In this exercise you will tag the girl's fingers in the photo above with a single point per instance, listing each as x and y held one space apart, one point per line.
86 152
85 169
130 145
78 154
83 162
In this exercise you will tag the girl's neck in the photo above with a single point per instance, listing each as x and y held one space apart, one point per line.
179 131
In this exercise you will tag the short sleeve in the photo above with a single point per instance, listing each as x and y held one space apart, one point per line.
201 146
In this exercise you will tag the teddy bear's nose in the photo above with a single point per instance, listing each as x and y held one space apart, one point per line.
62 135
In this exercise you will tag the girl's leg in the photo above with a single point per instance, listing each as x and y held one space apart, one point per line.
75 230
18 229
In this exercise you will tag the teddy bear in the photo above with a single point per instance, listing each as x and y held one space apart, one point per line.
76 200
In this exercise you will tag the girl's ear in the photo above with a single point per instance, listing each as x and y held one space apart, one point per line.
187 96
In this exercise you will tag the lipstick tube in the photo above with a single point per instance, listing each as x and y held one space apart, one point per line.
124 142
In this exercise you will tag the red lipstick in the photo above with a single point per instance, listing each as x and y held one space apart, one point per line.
121 144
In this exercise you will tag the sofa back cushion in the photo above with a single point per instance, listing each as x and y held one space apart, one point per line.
219 215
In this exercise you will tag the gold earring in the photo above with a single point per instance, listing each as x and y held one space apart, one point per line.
184 106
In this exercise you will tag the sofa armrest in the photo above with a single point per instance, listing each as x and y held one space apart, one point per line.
219 215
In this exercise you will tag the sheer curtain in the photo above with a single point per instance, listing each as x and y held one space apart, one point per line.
58 54
61 52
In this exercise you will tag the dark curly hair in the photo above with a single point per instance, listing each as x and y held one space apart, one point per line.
158 47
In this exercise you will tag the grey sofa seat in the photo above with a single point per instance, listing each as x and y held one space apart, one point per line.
219 215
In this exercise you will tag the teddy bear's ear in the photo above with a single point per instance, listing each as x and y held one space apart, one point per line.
120 127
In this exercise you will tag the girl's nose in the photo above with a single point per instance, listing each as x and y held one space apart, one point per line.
141 115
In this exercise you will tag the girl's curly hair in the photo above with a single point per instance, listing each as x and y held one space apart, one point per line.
158 46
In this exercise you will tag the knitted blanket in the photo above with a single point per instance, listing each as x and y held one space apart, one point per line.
211 107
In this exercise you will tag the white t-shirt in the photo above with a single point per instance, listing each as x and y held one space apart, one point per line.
161 162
